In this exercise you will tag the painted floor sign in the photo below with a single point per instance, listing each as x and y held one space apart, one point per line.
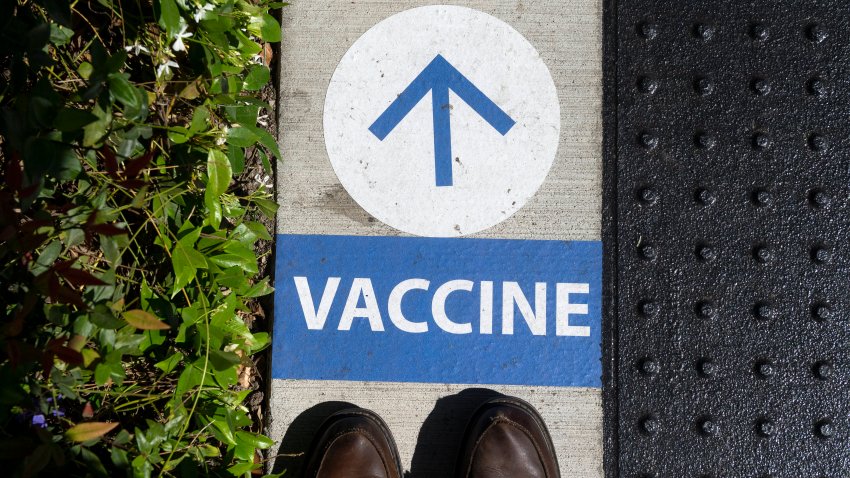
440 122
440 222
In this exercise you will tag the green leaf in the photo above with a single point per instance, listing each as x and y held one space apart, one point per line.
170 363
265 27
179 134
85 70
188 234
144 320
255 440
236 156
122 90
225 433
89 431
222 360
242 137
258 76
242 468
259 289
259 342
169 16
214 212
60 35
266 140
186 262
267 206
103 317
259 229
237 254
200 120
47 257
219 173
72 119
189 379
96 130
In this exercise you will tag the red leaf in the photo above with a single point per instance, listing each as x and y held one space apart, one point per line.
107 229
29 190
31 226
61 266
77 277
89 431
64 353
60 293
46 360
132 183
7 233
144 320
88 410
110 161
14 173
133 167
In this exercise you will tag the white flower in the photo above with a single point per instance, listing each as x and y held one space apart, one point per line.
178 42
136 49
164 70
202 12
263 181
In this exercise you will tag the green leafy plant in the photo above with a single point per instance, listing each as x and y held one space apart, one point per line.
127 238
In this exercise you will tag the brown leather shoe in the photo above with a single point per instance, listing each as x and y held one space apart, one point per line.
354 443
507 438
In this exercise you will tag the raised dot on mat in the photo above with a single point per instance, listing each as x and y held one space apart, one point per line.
816 86
761 141
648 252
703 31
647 30
821 254
704 86
707 426
647 195
762 253
706 367
759 32
705 197
761 197
649 366
822 370
705 309
819 198
648 140
760 86
704 140
824 428
764 369
817 142
647 85
706 253
816 33
648 308
765 427
764 311
821 312
649 425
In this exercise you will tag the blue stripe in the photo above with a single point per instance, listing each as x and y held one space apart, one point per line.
520 358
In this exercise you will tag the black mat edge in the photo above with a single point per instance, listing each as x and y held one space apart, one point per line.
610 403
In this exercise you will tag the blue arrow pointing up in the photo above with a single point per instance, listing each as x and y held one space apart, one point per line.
439 77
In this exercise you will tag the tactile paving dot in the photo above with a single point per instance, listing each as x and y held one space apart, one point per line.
727 238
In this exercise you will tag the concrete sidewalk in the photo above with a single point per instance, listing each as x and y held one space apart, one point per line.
428 419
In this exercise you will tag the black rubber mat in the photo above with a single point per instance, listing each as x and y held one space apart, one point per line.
726 238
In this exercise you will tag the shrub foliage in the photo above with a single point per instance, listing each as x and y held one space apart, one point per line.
127 246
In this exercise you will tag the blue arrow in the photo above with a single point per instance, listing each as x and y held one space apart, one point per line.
439 77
